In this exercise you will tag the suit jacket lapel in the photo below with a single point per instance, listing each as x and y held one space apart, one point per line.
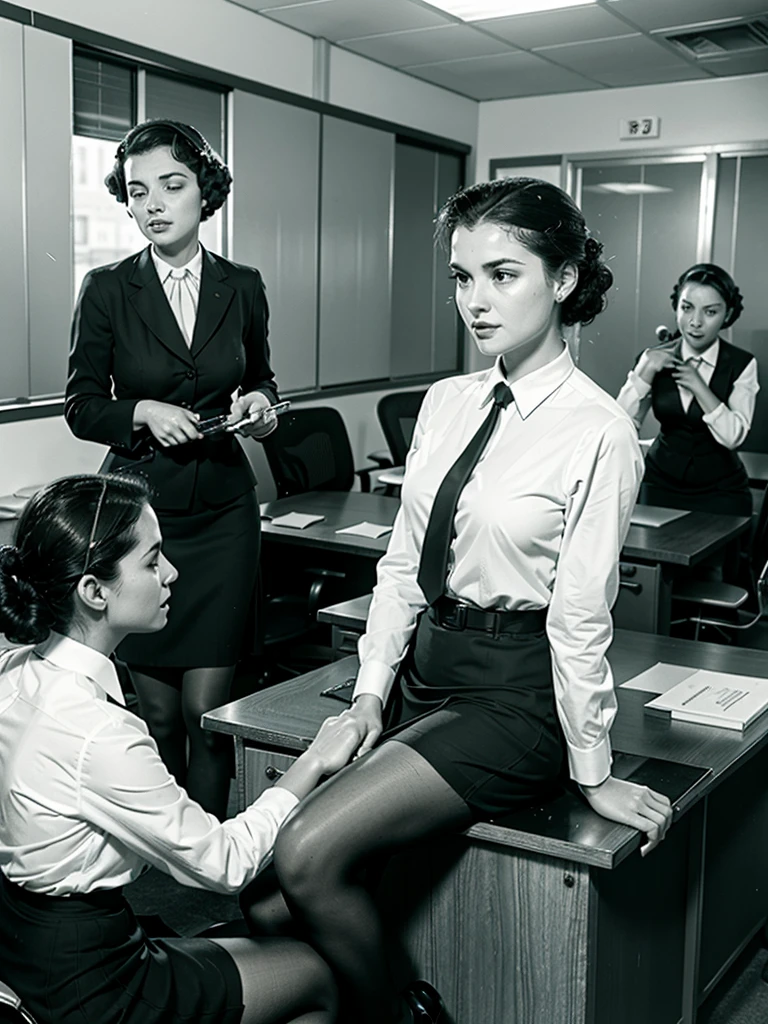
150 302
215 299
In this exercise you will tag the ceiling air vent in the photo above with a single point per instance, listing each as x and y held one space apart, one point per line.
708 43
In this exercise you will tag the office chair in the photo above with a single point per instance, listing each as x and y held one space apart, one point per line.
310 451
710 596
11 1010
397 413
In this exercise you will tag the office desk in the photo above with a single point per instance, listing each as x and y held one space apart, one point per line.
650 557
551 916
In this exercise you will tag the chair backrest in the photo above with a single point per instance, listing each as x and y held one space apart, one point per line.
310 451
397 414
759 544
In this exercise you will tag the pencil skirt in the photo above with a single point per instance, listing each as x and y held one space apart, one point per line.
481 710
86 960
212 609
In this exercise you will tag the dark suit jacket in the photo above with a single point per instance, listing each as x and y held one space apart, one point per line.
127 346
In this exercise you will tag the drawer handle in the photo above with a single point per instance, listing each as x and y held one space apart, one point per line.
635 588
272 773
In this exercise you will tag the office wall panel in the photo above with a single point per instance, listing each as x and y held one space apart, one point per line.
412 261
446 324
48 126
357 174
14 379
274 223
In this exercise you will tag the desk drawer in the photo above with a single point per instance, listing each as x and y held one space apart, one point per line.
344 641
262 769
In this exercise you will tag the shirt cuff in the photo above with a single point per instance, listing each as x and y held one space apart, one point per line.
278 800
374 677
590 767
717 412
642 387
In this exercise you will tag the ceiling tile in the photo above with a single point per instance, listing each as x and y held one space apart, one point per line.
738 64
548 28
656 14
504 76
350 19
258 5
427 45
602 57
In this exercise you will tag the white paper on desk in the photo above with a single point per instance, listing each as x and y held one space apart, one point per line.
297 520
364 529
653 515
659 678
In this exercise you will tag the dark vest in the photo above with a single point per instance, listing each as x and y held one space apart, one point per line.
685 455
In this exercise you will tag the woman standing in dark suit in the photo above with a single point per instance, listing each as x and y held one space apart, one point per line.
160 342
702 390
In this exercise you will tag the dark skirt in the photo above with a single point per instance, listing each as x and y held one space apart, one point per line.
86 960
481 710
210 622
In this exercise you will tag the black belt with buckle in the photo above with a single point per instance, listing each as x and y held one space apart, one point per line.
457 615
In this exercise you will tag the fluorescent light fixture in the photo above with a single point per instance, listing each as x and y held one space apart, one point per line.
482 10
627 188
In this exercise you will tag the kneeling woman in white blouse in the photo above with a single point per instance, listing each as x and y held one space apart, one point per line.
484 651
86 803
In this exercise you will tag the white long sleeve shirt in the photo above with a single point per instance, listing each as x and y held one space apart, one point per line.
729 423
540 524
85 801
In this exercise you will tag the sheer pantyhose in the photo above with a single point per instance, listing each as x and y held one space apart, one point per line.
379 804
172 708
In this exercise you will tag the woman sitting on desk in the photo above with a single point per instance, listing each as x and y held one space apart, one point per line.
86 804
702 391
490 621
160 342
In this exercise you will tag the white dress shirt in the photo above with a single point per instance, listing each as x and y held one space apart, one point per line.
540 523
183 295
85 801
729 423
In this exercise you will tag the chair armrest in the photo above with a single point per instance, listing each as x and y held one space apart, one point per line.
381 457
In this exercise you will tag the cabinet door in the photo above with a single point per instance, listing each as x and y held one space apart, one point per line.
274 205
357 173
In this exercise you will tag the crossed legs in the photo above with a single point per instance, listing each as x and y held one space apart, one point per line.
379 804
172 713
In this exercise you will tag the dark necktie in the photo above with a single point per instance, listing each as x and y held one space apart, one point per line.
433 566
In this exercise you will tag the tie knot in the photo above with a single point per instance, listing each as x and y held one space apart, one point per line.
502 395
179 273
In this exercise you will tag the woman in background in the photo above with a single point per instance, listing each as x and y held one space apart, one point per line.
160 342
702 391
486 639
86 803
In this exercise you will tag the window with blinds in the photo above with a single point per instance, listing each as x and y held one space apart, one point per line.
104 93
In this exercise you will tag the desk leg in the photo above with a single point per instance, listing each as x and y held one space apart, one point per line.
693 911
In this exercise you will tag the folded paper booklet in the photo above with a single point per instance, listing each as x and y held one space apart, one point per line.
714 698
654 515
297 520
372 530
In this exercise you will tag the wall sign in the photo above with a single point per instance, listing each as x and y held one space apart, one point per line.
639 127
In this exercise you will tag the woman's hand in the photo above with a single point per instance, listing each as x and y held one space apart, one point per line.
634 805
655 359
688 376
368 713
336 741
255 405
168 424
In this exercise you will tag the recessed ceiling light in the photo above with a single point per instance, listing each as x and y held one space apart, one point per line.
627 188
480 10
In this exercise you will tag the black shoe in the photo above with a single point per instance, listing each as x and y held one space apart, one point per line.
425 1003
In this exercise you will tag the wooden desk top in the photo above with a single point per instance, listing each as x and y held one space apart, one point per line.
286 716
685 541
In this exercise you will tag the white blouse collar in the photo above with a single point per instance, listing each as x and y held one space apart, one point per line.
535 387
71 655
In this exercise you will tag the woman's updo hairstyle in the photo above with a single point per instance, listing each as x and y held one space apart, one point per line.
717 278
547 222
187 146
76 525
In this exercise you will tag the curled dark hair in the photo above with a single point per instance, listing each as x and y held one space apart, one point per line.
75 524
548 223
187 146
717 278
